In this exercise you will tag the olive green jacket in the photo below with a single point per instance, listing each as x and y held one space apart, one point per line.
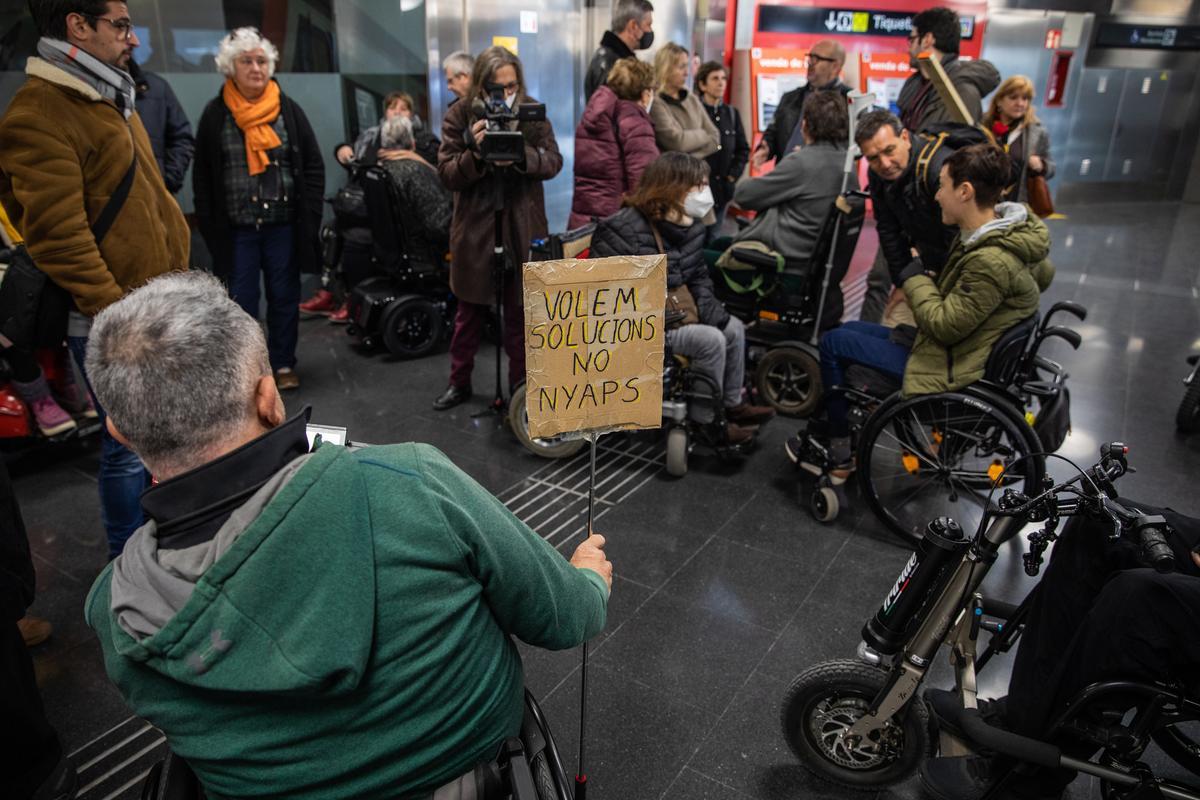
990 282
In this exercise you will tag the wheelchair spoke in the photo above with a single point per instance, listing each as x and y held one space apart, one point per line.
908 449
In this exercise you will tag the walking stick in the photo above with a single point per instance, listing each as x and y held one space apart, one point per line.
581 773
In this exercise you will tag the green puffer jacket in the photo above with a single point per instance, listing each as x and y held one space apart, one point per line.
990 282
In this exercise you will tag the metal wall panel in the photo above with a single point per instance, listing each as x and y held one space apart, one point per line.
1137 123
1090 138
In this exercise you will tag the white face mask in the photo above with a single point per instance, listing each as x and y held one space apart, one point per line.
650 105
698 204
512 98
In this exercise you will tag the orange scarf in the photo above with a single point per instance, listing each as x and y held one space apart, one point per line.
255 118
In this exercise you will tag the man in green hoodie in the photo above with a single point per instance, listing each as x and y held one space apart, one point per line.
327 623
993 277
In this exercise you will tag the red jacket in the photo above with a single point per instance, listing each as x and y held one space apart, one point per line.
606 169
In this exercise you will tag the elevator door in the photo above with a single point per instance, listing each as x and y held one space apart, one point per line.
1137 122
1097 105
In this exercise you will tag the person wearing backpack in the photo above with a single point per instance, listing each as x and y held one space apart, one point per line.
79 181
938 31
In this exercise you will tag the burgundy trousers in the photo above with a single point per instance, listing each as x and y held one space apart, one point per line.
468 333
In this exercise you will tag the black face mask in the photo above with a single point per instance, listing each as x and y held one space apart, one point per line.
646 40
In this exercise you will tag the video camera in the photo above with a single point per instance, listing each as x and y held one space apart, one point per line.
499 143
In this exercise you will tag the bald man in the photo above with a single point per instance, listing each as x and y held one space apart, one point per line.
825 62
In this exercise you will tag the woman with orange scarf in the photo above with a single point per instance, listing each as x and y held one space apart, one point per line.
258 181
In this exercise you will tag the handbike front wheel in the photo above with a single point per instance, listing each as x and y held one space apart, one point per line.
825 701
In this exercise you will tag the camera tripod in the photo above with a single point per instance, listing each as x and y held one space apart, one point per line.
498 406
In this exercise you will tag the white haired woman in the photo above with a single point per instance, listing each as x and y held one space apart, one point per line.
258 181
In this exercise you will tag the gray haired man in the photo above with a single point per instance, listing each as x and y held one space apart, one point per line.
458 66
631 30
288 597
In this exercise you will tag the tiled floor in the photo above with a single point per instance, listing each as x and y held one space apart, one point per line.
726 588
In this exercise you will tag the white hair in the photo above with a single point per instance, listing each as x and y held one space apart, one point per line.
396 132
243 40
460 62
175 364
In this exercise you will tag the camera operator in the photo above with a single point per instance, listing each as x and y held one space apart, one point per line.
1098 615
468 167
309 622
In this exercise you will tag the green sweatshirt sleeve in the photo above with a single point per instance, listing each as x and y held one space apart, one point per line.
949 318
534 592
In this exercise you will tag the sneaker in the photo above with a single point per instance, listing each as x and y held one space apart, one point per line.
737 434
286 379
34 630
744 414
320 304
47 414
72 395
341 316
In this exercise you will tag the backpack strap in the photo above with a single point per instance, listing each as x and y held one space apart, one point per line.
113 207
925 157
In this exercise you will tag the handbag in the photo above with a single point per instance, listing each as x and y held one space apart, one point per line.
33 308
681 306
1039 195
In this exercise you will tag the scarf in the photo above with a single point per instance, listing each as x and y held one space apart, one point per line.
111 83
254 119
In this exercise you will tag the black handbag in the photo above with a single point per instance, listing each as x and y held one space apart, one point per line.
33 308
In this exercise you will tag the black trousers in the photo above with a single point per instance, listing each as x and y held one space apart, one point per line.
29 748
1100 615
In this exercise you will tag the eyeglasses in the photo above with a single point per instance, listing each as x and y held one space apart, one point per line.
124 26
912 37
813 58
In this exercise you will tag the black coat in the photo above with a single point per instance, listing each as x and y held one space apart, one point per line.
727 164
167 126
787 117
16 565
610 51
308 172
628 233
907 216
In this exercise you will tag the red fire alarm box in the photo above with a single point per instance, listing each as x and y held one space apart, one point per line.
1056 86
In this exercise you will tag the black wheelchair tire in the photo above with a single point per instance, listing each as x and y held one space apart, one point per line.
837 682
778 370
412 326
518 420
1187 418
981 400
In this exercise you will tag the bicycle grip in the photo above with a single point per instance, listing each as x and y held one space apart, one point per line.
1156 552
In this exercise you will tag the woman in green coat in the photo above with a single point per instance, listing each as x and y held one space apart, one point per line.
996 272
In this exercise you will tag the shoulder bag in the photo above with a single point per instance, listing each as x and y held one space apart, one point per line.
681 306
33 308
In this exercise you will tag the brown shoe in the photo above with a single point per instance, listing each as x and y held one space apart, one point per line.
736 434
746 414
34 630
286 379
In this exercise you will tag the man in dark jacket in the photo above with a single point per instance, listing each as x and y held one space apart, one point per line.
906 214
32 763
397 104
631 30
938 31
167 126
825 62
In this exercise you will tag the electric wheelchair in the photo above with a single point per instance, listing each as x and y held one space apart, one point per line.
787 303
938 455
526 767
682 388
407 306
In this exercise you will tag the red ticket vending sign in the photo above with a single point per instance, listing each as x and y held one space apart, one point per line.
883 74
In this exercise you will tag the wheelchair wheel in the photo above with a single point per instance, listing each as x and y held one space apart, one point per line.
941 455
825 700
412 326
824 504
789 380
677 451
518 420
1187 418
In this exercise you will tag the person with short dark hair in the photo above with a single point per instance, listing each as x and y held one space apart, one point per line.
166 124
70 138
473 226
397 104
614 142
310 622
727 164
938 31
997 269
632 30
794 199
665 215
825 62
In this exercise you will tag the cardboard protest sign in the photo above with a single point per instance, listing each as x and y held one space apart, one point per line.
594 344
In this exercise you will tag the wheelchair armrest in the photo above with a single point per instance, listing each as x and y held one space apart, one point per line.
1066 334
1075 309
755 258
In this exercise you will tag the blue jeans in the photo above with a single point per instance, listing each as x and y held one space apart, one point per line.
122 477
855 342
268 251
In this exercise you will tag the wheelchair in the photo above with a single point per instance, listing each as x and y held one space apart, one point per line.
785 306
526 767
408 307
942 454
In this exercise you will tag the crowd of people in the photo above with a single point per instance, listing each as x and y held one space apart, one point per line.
413 612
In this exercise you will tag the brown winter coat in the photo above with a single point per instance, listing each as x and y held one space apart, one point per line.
472 229
63 151
682 125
